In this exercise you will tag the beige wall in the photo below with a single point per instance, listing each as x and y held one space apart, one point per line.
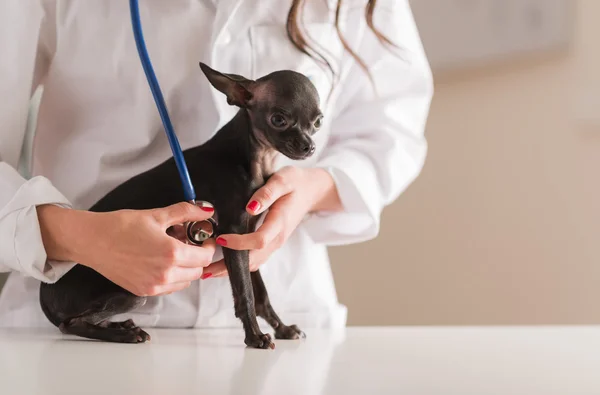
503 226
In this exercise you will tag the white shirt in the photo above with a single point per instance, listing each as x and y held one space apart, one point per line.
98 126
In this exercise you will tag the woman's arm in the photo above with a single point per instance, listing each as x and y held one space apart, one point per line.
326 198
25 45
377 145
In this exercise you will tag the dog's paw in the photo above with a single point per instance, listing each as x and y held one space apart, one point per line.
135 334
262 341
291 332
142 336
132 335
121 335
129 324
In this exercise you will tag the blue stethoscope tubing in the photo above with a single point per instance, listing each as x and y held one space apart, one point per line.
197 231
188 187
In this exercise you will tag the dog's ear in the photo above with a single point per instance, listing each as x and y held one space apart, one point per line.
236 88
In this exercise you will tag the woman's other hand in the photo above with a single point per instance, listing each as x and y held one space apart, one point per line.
289 195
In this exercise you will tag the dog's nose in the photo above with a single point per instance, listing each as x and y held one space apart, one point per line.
308 148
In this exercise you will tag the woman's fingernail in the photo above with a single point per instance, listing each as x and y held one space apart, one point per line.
205 276
221 241
205 206
253 206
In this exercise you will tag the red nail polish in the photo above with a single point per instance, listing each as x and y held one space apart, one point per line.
205 276
253 206
207 208
221 241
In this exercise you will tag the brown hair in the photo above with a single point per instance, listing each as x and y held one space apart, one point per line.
298 39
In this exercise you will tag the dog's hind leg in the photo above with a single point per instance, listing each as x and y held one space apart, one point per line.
80 327
265 311
94 322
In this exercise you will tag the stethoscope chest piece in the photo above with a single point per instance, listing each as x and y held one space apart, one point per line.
197 232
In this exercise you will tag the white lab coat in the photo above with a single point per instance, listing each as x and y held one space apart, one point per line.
98 126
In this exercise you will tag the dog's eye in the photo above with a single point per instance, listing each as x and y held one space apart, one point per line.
278 121
318 122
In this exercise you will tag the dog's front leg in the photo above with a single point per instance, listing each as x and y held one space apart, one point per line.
237 263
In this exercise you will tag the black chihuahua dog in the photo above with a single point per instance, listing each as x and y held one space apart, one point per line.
278 114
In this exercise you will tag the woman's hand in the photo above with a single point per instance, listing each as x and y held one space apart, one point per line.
129 247
289 195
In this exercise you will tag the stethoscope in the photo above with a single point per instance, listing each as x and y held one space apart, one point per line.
198 231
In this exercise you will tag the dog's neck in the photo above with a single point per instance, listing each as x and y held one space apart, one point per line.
237 139
262 156
261 167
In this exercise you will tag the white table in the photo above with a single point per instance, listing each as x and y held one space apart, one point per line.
411 360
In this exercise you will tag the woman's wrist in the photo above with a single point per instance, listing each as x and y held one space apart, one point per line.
325 193
60 228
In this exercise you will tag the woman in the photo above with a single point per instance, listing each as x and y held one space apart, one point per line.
98 126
